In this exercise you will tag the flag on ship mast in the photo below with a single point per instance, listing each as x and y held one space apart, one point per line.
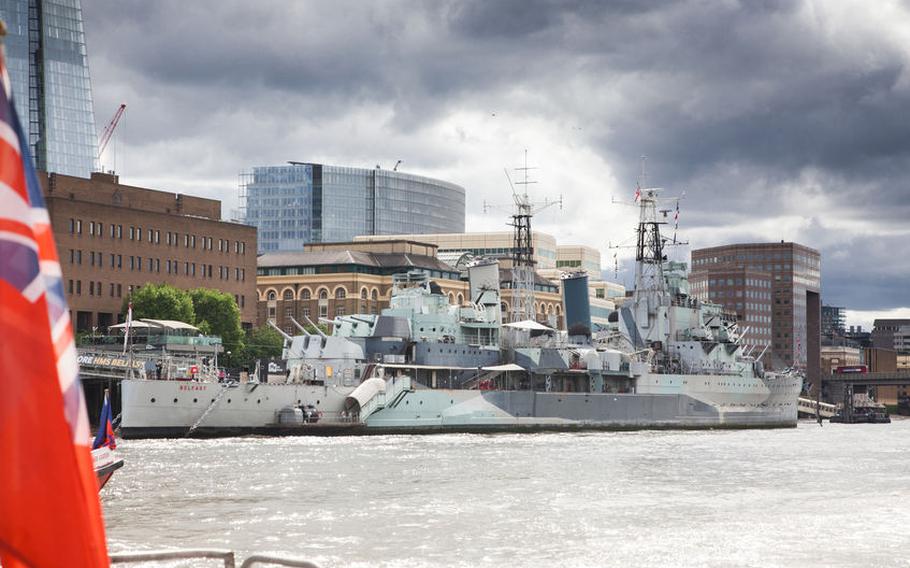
637 193
49 509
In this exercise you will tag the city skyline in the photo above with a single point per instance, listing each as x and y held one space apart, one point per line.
777 122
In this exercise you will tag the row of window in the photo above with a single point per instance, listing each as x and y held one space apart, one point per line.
153 236
95 288
116 261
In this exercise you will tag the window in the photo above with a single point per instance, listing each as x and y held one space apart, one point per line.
193 241
288 295
112 290
119 290
138 233
340 294
91 228
79 226
120 231
132 233
323 294
305 294
272 296
323 311
72 226
69 287
339 311
79 287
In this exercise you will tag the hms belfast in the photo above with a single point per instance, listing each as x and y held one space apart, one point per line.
666 360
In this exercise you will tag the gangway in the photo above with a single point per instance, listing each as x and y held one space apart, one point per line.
375 394
809 407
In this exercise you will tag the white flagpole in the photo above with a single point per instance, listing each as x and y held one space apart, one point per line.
129 321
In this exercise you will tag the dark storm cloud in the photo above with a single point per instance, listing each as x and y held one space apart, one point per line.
742 104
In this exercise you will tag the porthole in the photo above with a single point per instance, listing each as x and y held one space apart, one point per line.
317 402
195 400
229 401
153 400
175 401
258 400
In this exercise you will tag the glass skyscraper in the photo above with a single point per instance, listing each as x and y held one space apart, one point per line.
305 203
48 67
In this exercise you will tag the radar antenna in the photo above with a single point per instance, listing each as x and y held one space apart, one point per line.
524 209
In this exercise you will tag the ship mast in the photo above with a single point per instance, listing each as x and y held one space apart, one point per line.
522 245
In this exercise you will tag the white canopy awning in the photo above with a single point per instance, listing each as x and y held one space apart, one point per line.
529 324
152 323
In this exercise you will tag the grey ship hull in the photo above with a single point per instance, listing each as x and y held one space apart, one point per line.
425 411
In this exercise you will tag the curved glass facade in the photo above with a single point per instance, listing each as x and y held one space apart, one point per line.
48 69
303 203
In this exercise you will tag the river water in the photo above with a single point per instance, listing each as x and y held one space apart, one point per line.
837 495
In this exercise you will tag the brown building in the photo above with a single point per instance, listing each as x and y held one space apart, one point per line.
885 331
742 291
114 238
794 272
329 279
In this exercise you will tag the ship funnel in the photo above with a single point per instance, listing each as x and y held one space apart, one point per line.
577 304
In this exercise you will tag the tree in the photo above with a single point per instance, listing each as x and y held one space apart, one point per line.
161 301
263 342
217 312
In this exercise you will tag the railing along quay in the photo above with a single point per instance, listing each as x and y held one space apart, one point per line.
226 556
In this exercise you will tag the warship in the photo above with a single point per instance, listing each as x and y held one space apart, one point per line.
666 360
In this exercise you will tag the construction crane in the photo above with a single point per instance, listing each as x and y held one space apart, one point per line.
109 130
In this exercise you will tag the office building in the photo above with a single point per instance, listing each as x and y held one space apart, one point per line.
749 276
300 203
48 68
491 244
115 238
329 279
745 292
885 331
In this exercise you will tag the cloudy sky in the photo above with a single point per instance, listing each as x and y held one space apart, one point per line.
779 120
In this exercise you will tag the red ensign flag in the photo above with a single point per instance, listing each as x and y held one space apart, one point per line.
49 509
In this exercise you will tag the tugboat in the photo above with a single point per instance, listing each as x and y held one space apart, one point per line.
862 409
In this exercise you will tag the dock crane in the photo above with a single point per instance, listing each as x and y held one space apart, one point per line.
109 130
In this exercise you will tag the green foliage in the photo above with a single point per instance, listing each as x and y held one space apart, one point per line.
217 312
161 301
264 342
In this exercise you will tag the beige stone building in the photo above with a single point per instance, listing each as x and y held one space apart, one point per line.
329 279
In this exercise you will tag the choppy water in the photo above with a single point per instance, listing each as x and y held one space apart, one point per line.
832 496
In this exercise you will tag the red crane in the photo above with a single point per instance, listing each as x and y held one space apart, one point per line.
109 130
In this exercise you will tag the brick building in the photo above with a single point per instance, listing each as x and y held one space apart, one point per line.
793 271
114 238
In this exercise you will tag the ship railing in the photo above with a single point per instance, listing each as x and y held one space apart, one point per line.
226 556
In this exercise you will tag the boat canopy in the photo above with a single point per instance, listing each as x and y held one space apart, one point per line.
160 324
503 368
529 325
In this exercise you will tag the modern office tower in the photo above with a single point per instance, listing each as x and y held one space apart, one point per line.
731 272
48 68
304 203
